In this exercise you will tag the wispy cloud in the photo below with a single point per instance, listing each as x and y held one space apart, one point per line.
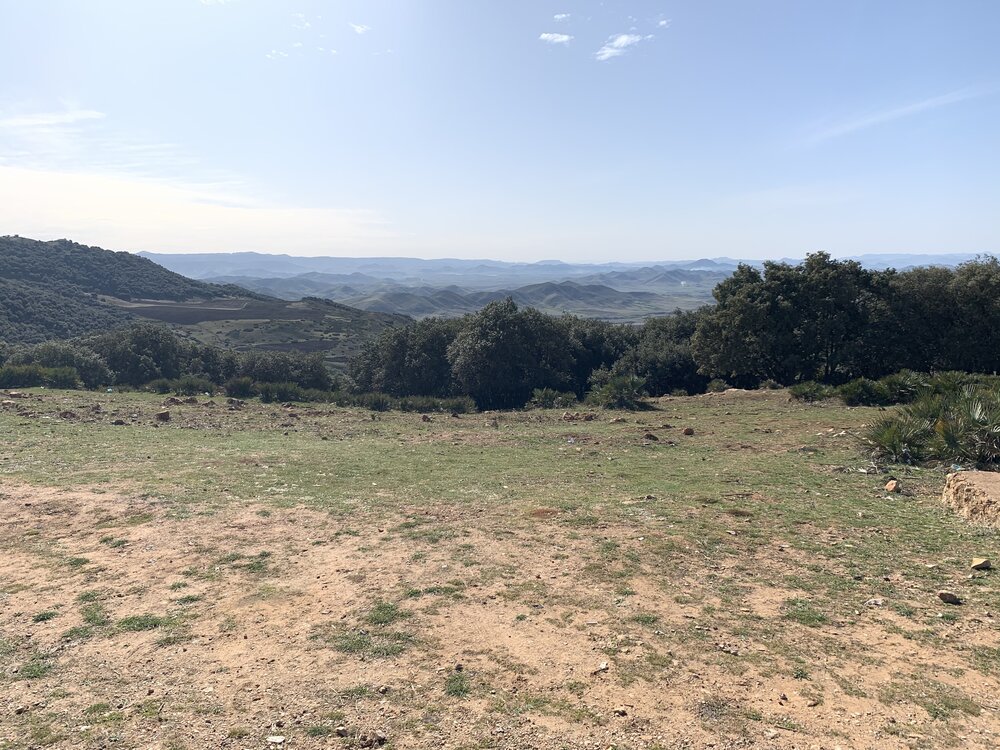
276 54
49 119
550 38
618 45
663 23
360 28
561 16
855 124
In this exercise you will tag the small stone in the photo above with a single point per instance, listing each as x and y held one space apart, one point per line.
341 731
425 418
948 597
981 563
163 416
892 485
276 739
602 667
875 602
621 711
649 436
689 430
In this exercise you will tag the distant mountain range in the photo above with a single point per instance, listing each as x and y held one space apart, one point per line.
453 287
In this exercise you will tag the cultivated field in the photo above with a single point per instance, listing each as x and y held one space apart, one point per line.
310 576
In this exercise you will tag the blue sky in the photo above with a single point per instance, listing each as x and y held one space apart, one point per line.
514 129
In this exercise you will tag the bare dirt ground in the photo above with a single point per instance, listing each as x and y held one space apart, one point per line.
247 647
568 610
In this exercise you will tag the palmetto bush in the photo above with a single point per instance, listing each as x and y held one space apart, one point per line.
961 424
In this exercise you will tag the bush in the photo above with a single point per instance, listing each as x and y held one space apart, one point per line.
279 392
810 391
549 398
161 385
239 387
961 426
21 376
864 392
62 377
189 385
770 385
375 401
620 392
904 386
679 392
717 386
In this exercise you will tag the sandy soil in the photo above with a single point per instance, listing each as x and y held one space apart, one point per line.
248 650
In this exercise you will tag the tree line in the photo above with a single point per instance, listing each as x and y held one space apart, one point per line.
821 320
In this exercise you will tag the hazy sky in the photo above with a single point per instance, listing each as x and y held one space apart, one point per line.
512 129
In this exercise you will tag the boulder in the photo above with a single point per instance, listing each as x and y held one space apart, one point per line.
689 430
163 416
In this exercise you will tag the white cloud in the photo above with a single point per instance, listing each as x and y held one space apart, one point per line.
550 38
873 119
275 54
359 28
561 16
664 23
618 44
49 119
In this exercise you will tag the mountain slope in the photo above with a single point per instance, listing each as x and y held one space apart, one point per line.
96 271
54 290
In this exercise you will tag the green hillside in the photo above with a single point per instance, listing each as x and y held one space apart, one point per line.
61 289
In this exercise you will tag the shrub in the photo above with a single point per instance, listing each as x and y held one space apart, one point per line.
810 391
679 392
549 398
962 426
864 392
272 392
375 401
188 385
161 385
904 386
717 386
239 387
770 385
62 377
21 376
620 392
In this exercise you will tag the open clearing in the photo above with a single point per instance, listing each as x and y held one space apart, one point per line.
338 578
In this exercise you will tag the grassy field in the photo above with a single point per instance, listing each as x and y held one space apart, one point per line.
329 577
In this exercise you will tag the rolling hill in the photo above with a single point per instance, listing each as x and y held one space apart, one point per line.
61 289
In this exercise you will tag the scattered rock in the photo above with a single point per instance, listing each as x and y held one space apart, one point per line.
621 711
616 420
602 667
67 415
341 731
6 404
190 400
650 436
276 739
374 739
425 418
892 486
948 597
981 563
689 430
118 422
163 416
172 401
875 602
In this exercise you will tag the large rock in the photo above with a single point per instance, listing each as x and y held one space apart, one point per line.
974 495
